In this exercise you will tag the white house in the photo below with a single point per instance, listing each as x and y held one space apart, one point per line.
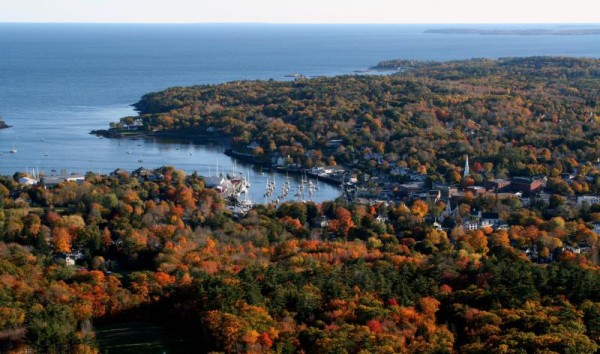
382 219
471 225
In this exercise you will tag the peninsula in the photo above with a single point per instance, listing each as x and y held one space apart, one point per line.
425 118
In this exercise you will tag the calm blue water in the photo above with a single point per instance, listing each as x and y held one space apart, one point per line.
58 82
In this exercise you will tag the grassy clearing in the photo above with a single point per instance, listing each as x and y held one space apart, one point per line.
141 338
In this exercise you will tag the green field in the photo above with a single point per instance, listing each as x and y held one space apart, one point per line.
142 338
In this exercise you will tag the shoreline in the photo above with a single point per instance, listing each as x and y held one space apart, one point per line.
225 142
107 133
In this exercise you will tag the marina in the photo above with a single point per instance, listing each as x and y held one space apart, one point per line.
246 181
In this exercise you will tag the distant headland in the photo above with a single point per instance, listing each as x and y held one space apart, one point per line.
3 125
517 32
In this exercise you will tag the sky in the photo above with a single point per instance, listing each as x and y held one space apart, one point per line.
302 11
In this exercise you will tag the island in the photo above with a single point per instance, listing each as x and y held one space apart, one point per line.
469 222
518 32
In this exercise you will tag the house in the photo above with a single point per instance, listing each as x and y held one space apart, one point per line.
67 258
498 185
327 170
75 178
141 172
526 185
417 177
374 156
503 226
544 197
471 224
434 195
119 173
280 161
213 181
52 181
382 219
532 252
399 171
567 177
446 190
482 220
447 213
477 190
334 143
253 145
491 219
412 187
589 199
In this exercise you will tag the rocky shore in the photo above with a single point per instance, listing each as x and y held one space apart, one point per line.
3 125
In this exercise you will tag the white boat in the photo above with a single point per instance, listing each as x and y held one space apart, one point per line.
246 204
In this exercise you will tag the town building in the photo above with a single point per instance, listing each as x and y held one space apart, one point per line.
589 199
526 185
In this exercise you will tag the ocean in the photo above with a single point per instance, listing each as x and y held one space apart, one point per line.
60 81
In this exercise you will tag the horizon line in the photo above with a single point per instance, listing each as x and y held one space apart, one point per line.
296 23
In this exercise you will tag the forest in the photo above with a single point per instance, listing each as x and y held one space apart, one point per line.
339 276
279 280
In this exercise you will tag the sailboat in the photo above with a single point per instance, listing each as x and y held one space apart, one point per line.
246 204
13 150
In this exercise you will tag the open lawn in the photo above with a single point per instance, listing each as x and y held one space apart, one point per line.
142 338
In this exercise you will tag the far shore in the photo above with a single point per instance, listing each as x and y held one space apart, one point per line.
517 32
264 161
189 136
